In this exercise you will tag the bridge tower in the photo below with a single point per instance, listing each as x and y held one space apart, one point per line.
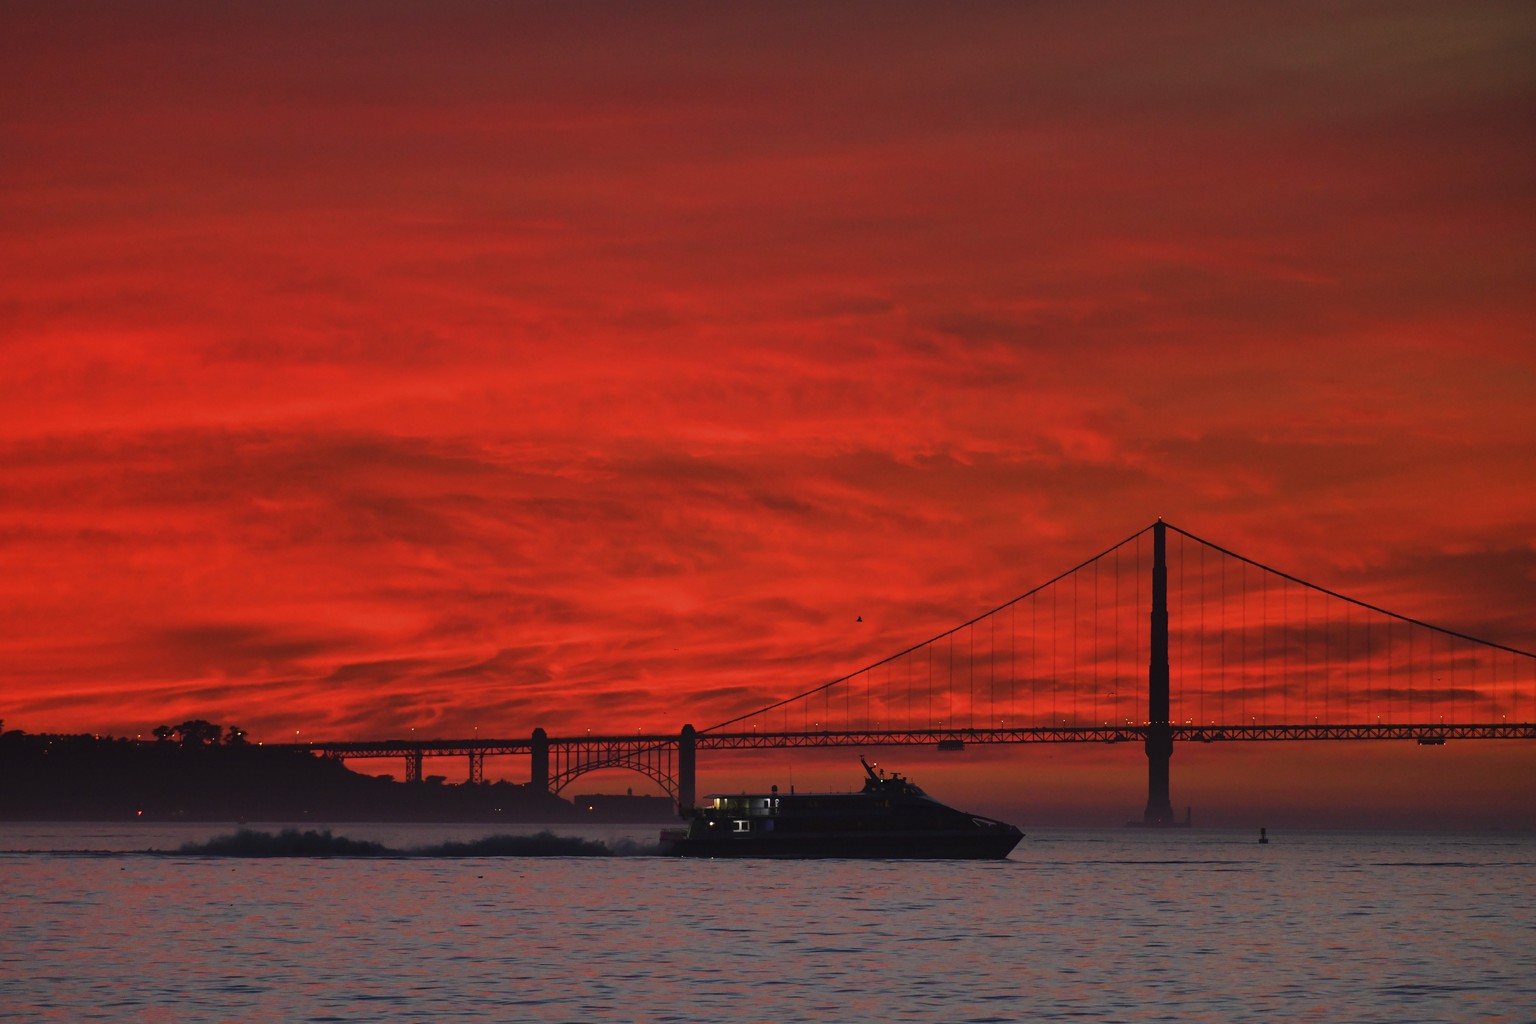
1159 742
687 747
539 776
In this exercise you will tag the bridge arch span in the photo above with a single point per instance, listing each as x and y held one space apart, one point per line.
571 759
558 783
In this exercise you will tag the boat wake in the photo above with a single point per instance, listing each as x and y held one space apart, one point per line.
293 843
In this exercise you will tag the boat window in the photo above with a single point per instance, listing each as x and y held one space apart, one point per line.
742 825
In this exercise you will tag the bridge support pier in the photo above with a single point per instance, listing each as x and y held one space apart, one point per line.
476 766
1159 743
413 762
1159 752
539 778
687 755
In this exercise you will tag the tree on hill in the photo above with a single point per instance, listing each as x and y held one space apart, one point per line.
198 732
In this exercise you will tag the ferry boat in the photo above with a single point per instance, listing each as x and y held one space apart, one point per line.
890 818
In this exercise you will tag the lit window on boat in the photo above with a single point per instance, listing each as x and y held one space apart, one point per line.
742 825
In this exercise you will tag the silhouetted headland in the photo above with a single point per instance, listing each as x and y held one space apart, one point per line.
199 772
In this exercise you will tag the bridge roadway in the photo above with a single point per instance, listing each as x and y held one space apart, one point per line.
1432 731
669 759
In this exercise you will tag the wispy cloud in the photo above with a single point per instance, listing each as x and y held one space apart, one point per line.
509 367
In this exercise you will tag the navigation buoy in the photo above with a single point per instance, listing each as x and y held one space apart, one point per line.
1263 835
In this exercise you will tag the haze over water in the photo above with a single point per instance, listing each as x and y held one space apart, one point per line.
1111 925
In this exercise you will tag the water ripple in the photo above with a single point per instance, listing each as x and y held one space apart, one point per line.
1105 928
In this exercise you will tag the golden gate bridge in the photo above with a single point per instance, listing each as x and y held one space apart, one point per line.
1164 637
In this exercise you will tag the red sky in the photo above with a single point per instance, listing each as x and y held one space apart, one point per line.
473 367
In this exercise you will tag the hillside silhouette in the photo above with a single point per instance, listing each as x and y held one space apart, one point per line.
199 772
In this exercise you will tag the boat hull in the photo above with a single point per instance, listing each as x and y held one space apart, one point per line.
885 846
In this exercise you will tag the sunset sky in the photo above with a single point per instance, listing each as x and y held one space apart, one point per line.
471 367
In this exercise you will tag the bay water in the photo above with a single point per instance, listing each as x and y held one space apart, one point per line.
1076 925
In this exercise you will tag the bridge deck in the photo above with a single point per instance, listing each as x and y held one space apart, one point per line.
1424 731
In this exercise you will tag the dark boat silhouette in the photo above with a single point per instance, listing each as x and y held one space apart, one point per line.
890 818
